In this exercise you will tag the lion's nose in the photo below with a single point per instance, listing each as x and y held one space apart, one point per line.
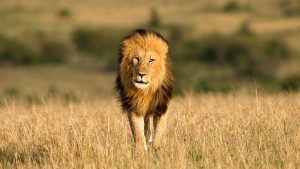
142 74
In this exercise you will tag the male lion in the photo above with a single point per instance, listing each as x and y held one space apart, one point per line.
145 85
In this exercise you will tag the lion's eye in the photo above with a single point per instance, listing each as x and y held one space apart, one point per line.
136 60
151 60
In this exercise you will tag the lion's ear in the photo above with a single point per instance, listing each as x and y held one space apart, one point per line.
126 48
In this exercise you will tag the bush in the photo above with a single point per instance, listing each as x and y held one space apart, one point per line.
245 29
154 19
64 13
71 97
34 51
34 99
232 6
53 91
218 49
291 83
11 92
249 55
13 51
96 41
53 51
290 7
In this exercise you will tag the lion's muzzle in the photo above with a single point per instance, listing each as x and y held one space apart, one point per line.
141 81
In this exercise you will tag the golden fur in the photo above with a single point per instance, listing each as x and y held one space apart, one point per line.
145 80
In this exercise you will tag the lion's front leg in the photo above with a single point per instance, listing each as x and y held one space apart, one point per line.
160 122
148 128
137 128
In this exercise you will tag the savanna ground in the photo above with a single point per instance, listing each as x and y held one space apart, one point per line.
62 113
237 130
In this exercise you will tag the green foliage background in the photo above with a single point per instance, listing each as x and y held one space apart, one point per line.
211 61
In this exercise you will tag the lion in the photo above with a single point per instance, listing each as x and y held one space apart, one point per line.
144 85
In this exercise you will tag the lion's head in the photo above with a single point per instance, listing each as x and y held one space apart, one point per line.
145 80
143 60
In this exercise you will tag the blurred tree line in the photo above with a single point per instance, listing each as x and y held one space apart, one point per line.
211 62
35 50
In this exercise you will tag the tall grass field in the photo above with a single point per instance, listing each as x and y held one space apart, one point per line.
236 130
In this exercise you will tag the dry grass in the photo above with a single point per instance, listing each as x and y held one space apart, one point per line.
204 131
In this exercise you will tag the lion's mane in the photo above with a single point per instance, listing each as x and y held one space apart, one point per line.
156 99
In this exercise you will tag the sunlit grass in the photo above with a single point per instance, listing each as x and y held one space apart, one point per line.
204 131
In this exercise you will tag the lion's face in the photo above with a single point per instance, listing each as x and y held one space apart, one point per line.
143 63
